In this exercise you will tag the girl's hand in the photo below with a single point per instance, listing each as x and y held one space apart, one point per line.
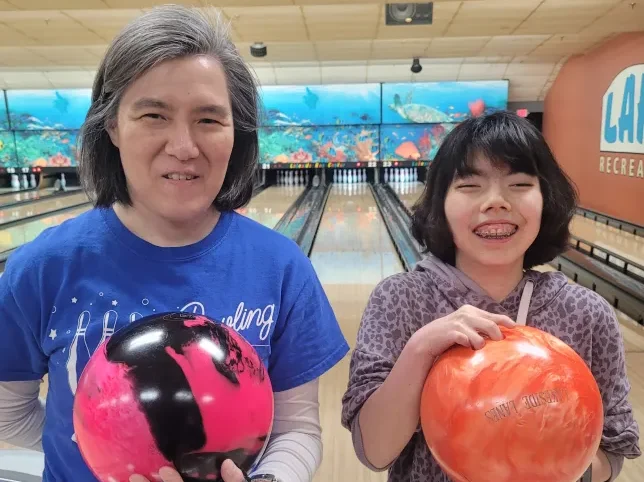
467 326
229 473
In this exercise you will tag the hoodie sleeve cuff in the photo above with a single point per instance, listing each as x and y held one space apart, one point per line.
616 463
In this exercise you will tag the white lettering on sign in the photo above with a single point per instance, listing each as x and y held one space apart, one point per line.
622 166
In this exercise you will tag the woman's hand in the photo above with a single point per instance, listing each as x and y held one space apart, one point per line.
229 473
167 474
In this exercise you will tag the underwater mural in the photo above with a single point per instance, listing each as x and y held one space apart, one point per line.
46 148
405 142
339 123
441 102
320 105
322 144
7 150
48 109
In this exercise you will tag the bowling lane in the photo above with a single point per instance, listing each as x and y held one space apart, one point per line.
25 211
351 254
408 192
29 195
9 190
627 245
269 206
13 236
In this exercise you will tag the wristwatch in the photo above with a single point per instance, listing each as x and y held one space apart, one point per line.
264 478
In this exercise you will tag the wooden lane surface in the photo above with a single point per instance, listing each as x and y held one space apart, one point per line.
32 194
270 205
408 193
352 253
13 236
627 245
36 208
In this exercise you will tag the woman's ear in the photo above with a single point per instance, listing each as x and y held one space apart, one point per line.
113 132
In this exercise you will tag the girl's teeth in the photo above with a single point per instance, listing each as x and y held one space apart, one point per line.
496 232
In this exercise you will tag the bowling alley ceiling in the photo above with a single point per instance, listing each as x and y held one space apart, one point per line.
58 43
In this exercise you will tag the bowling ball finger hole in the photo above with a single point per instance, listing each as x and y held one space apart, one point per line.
198 467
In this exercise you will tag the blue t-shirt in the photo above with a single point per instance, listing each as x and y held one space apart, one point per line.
78 282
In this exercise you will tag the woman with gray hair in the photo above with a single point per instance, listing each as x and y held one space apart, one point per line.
168 152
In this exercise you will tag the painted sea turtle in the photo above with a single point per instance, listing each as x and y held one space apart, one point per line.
418 113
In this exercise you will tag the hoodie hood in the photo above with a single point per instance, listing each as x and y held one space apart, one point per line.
535 290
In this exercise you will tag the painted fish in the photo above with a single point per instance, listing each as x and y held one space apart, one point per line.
408 150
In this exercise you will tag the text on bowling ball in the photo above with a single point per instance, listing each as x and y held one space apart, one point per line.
526 402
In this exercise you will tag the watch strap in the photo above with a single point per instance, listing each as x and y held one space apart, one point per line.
264 478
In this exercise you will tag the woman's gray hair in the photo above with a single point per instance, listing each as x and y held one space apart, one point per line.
165 33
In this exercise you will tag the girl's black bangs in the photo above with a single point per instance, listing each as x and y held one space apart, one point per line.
504 148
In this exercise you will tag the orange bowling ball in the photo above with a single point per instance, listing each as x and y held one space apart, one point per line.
522 409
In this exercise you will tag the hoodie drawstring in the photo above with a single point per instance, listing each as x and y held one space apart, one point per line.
526 295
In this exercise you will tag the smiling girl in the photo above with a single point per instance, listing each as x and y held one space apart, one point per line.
496 205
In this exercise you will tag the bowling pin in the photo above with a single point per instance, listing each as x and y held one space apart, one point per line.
79 343
109 324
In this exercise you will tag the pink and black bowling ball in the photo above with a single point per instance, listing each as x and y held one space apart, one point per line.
177 390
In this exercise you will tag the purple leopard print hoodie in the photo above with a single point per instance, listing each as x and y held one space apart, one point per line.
403 303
